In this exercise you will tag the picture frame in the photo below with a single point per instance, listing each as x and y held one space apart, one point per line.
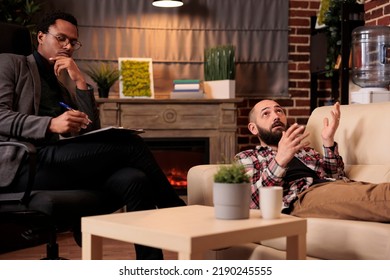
136 77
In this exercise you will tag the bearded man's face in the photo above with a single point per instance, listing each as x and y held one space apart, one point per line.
272 136
268 120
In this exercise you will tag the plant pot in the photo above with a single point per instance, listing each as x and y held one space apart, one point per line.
103 92
221 89
231 201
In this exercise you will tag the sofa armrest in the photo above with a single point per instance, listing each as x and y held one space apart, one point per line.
200 184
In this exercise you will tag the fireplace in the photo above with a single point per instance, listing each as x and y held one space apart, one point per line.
177 155
175 129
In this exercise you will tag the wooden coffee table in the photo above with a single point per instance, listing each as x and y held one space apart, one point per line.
190 231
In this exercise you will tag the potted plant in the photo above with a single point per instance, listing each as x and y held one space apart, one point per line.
231 192
104 75
22 12
331 18
220 72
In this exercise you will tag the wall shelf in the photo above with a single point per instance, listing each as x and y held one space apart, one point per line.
352 16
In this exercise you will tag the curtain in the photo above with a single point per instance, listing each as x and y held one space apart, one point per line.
175 38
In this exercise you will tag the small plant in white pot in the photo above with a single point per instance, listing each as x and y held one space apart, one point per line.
220 72
104 75
231 192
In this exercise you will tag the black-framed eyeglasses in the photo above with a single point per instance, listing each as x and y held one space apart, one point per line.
64 41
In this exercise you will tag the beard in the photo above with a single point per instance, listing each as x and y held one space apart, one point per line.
269 137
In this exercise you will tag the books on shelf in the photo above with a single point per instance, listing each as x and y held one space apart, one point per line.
186 81
186 84
186 89
189 94
189 89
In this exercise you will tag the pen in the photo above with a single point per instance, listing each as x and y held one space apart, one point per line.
67 107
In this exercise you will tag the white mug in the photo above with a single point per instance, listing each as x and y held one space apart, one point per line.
271 202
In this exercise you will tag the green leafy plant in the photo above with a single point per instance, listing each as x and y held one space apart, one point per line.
19 11
103 74
22 12
219 63
332 21
231 174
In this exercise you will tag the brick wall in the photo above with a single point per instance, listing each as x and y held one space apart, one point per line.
297 106
377 12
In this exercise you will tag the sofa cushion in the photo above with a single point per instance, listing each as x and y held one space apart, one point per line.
361 135
374 173
343 240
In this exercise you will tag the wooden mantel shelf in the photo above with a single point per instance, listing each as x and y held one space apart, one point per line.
166 100
215 119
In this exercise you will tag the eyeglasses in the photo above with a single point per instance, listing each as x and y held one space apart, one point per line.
64 41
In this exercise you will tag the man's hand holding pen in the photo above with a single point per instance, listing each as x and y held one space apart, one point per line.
71 121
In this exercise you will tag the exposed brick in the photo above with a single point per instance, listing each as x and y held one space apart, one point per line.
244 112
303 31
292 84
303 66
292 49
301 57
315 5
303 49
302 121
300 94
299 22
285 102
254 141
373 4
301 13
292 66
243 139
290 119
384 21
253 102
386 9
298 39
377 13
299 75
242 121
299 4
302 102
298 112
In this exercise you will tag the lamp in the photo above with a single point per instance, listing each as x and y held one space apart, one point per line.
167 3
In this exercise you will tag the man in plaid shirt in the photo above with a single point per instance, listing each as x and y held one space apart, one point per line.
314 185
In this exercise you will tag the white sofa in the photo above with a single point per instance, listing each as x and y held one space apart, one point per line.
364 143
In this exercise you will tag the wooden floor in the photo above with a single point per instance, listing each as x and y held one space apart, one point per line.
112 250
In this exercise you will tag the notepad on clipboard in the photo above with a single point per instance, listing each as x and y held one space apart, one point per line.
104 133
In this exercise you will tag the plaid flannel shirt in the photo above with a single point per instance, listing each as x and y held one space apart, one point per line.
261 165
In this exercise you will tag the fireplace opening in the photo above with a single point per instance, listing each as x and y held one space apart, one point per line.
177 155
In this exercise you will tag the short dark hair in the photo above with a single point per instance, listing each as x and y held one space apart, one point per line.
50 19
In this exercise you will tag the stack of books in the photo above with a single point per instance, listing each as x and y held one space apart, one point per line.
186 89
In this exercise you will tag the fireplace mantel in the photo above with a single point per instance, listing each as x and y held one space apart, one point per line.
215 119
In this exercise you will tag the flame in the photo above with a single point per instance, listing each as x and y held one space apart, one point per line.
177 177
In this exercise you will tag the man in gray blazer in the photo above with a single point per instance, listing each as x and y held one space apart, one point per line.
30 98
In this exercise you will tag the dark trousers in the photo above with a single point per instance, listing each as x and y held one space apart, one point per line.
123 167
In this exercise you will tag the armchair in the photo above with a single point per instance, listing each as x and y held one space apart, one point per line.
37 216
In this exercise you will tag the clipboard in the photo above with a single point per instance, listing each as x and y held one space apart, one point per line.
104 133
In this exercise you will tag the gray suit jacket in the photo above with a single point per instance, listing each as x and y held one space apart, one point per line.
20 92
